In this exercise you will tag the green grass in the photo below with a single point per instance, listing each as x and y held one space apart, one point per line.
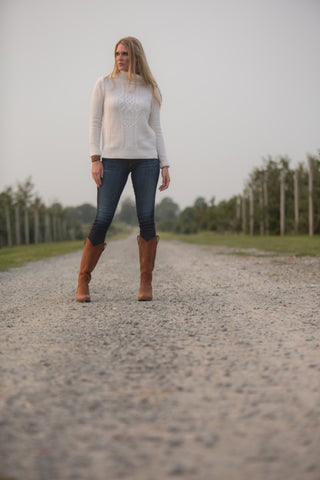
301 245
289 245
18 256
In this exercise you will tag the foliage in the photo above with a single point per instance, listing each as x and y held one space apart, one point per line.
258 209
25 219
166 214
84 213
127 213
264 183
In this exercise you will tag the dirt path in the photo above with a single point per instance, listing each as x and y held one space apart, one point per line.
217 378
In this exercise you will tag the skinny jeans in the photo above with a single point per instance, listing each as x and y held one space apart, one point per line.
144 177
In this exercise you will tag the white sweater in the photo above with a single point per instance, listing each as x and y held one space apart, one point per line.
125 120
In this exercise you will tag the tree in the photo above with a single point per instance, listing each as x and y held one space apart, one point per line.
315 162
266 180
23 201
37 207
201 213
186 221
127 213
226 217
84 213
167 214
6 216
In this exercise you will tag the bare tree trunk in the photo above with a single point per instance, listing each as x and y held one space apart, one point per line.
251 212
8 225
244 213
261 207
36 226
238 209
311 227
17 222
296 201
26 226
47 231
238 213
266 203
282 203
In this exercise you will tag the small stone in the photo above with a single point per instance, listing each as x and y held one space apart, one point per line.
178 469
176 442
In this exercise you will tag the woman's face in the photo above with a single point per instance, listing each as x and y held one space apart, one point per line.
122 58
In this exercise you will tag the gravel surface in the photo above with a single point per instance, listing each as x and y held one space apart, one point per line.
217 378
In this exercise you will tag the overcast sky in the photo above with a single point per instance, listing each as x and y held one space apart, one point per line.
240 81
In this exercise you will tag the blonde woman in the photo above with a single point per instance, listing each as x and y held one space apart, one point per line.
125 139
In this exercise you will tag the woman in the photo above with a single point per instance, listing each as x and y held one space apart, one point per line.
125 138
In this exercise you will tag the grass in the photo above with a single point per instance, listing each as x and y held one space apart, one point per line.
298 245
289 245
17 256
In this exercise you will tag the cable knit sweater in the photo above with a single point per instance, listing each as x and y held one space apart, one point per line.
125 120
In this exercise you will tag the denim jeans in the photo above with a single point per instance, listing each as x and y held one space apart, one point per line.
144 176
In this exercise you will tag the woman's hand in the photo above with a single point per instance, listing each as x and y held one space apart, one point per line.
165 179
97 172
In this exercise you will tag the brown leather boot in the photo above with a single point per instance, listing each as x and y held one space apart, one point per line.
147 255
90 257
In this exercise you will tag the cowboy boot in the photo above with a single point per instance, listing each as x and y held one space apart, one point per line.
90 257
147 255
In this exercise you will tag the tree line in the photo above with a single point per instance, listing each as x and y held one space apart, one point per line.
25 219
276 200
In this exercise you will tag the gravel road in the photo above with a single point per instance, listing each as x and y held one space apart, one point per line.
217 379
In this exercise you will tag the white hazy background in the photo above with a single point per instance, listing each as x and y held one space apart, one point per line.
240 81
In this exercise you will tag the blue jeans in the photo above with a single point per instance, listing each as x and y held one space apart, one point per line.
144 176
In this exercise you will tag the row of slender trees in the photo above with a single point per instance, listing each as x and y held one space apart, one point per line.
25 219
280 200
276 200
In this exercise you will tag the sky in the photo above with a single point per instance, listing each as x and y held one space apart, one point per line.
240 81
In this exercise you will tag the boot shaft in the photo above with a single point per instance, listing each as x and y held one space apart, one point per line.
147 253
90 256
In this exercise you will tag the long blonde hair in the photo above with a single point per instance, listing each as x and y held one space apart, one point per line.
138 65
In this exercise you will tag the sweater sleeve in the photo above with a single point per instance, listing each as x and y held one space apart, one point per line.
95 119
154 122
